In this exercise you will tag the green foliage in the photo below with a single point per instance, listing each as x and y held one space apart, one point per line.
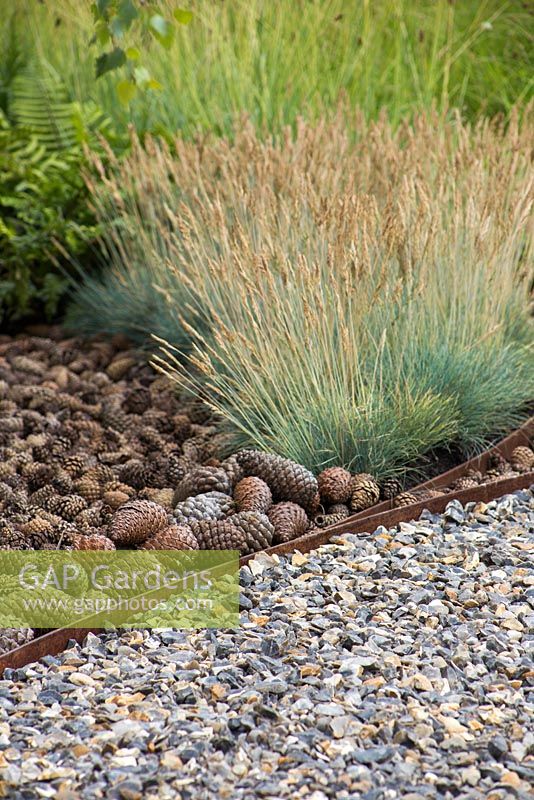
43 197
113 21
277 61
43 201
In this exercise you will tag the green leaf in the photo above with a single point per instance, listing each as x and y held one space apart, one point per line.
182 16
102 7
133 53
142 76
162 30
126 90
127 13
110 61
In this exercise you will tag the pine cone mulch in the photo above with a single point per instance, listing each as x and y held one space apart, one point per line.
92 541
201 480
258 529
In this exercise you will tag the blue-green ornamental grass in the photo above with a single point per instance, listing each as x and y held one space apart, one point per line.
338 299
41 589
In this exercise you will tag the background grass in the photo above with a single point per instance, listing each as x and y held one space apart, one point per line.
278 60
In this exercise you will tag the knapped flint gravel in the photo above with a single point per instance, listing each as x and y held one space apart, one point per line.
383 666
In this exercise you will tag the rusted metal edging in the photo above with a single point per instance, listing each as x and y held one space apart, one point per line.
54 642
522 436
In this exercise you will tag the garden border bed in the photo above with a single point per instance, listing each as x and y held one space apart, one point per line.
364 522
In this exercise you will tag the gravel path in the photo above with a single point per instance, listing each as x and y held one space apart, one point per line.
392 665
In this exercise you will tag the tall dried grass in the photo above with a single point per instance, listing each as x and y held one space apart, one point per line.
334 298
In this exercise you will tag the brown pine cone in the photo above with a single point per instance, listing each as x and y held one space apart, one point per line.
163 497
181 428
233 469
101 473
88 488
335 485
115 499
92 541
136 521
289 521
178 467
522 459
258 529
201 480
390 488
136 473
137 400
286 479
253 494
325 520
69 506
118 486
175 537
215 534
38 532
74 464
415 496
498 463
365 492
464 483
339 508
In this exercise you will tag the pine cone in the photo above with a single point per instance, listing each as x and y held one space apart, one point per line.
178 467
475 475
11 638
101 473
38 475
92 541
257 528
415 496
464 483
335 485
390 488
339 508
498 463
11 539
253 494
136 521
163 497
118 486
182 428
289 521
69 506
522 459
88 488
175 537
41 498
136 474
112 416
74 464
233 469
137 400
120 367
219 535
38 532
211 505
115 499
286 479
201 480
62 482
325 520
365 492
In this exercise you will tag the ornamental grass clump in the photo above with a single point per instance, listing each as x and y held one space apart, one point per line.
342 300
